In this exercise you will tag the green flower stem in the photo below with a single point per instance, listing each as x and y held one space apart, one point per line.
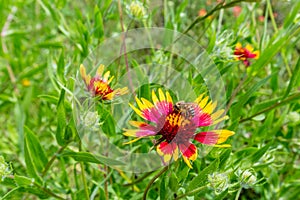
191 192
270 11
238 193
123 46
272 16
152 181
49 192
50 162
278 104
221 14
86 190
234 93
138 180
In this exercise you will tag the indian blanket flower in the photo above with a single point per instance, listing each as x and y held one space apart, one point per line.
177 124
99 85
245 53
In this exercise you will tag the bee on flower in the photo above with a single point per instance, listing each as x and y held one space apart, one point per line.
99 85
245 53
177 124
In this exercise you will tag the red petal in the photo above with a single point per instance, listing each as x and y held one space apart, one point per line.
167 148
203 119
208 138
188 150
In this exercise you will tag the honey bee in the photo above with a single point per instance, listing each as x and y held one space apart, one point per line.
185 109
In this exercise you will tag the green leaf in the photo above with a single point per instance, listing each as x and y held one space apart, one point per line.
291 15
108 121
259 153
36 149
275 45
61 67
294 78
183 173
173 183
23 181
224 157
54 100
99 28
236 109
201 178
8 182
31 153
162 188
88 157
61 120
262 105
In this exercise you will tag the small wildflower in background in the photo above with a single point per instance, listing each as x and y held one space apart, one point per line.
177 125
219 182
5 169
202 12
245 53
261 18
136 10
26 82
99 85
237 10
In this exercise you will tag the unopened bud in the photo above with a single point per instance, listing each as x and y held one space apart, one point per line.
218 181
91 119
247 178
137 10
5 168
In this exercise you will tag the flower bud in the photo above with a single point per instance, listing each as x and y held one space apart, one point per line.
91 119
5 168
137 10
218 181
247 178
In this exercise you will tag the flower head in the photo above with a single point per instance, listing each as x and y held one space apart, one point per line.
245 53
137 10
218 181
237 10
177 125
202 12
26 82
99 85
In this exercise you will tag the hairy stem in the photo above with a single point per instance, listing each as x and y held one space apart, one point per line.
86 190
278 104
139 179
238 194
48 165
152 181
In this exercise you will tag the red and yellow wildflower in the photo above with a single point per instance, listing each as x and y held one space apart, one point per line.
245 53
99 85
177 125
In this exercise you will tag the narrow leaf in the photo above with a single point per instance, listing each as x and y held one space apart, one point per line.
294 79
36 150
201 178
88 157
61 119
